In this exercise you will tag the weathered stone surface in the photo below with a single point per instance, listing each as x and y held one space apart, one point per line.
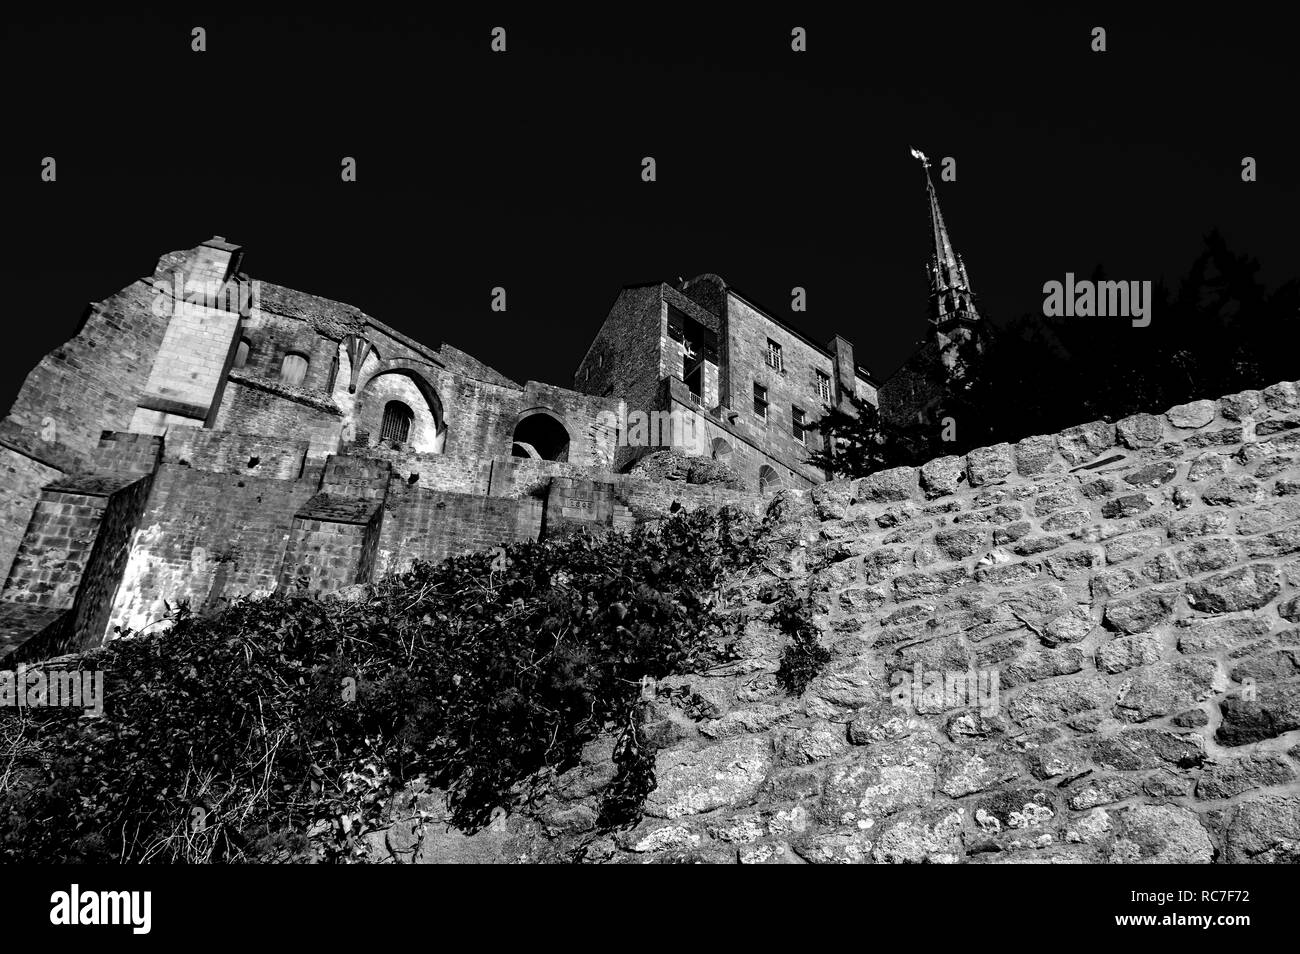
1137 749
985 465
1195 414
966 772
1264 830
958 543
1034 455
1083 444
1166 687
1102 790
1246 588
1159 834
1216 635
691 781
1207 465
1128 652
881 722
1142 612
935 836
1126 548
1236 407
1152 475
1140 430
1130 505
942 476
1233 491
1045 664
1071 627
1234 776
896 483
879 780
1055 701
1206 555
1274 710
831 500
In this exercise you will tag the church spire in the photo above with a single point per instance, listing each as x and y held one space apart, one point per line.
951 297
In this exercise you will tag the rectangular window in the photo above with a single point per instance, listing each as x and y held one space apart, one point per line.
824 387
760 401
773 355
797 426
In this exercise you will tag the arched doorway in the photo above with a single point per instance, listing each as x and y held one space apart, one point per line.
540 434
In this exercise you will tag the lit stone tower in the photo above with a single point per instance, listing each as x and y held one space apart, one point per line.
941 365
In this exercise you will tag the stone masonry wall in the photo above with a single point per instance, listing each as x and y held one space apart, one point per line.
1081 647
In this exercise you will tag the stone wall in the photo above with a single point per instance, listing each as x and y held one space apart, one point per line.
204 536
1080 647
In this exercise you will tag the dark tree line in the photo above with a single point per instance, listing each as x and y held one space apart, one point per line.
1219 331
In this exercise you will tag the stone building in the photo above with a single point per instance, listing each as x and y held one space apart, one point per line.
741 386
204 435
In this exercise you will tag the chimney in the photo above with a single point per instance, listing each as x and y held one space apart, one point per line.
845 371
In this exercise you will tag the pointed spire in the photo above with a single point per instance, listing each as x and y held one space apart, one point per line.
950 292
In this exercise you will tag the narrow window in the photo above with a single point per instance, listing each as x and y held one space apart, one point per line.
824 387
396 425
774 355
797 424
294 368
760 401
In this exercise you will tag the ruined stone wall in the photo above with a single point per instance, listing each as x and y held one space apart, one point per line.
432 525
21 480
92 383
1080 647
204 536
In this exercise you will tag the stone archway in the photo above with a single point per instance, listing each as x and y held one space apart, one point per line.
542 434
392 383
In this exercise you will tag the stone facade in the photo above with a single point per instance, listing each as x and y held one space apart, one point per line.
206 436
1079 648
702 351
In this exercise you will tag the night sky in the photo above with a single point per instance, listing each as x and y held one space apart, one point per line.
775 169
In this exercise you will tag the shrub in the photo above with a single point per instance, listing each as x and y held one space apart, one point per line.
236 736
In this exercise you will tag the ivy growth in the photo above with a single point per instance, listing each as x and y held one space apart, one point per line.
238 735
804 658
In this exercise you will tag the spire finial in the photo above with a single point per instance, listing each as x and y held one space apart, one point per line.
950 293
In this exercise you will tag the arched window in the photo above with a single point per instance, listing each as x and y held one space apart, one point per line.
769 481
397 422
294 368
721 450
241 353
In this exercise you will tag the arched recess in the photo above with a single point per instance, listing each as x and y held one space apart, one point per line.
392 383
541 433
769 481
721 450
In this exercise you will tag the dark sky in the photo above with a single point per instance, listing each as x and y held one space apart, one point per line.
522 169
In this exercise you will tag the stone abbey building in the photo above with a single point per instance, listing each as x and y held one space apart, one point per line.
205 435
